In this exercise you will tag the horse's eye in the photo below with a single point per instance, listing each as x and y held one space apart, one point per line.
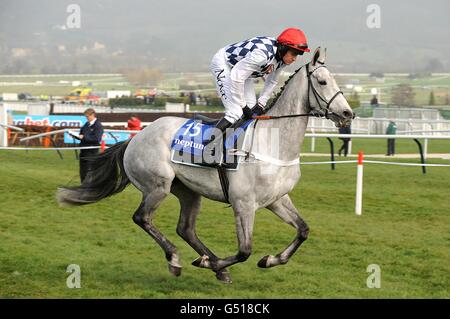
323 82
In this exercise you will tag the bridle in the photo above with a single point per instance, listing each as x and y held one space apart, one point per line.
324 111
316 94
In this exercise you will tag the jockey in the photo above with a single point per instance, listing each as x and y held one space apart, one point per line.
237 65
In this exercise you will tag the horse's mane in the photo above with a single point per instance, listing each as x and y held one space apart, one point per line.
280 92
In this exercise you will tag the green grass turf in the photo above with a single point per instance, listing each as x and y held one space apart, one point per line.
404 229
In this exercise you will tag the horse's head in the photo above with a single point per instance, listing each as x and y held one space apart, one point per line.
324 95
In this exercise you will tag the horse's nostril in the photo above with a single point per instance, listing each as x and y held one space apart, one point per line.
347 114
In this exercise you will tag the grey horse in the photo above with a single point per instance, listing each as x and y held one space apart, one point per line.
264 181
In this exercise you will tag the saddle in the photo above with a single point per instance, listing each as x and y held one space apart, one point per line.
190 140
206 120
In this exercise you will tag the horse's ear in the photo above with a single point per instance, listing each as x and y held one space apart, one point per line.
319 56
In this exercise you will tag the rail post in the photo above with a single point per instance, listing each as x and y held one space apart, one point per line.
359 184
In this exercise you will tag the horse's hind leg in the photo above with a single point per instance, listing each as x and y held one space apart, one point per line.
244 214
144 218
190 208
285 209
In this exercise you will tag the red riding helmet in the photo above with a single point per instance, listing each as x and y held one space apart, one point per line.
294 38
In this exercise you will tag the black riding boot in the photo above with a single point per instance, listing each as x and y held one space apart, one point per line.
211 144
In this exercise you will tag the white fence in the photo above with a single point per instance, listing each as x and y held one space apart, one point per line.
16 106
407 113
372 125
315 125
74 108
379 125
3 123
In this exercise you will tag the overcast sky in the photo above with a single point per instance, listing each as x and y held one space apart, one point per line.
411 32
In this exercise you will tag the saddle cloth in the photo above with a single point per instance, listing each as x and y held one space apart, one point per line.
190 140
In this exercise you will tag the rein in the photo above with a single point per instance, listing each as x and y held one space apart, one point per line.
317 96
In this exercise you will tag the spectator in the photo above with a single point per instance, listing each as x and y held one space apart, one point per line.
52 108
90 135
391 130
192 98
345 140
134 124
374 101
152 96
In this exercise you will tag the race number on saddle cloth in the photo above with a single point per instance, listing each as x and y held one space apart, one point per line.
189 142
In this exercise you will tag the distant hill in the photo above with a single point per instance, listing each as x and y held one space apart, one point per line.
183 35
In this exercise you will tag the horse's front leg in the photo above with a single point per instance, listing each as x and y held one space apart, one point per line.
285 209
245 218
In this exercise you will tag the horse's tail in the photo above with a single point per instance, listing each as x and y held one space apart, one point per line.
106 177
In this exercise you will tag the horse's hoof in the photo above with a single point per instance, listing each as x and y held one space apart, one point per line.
202 262
174 270
197 262
263 263
224 276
